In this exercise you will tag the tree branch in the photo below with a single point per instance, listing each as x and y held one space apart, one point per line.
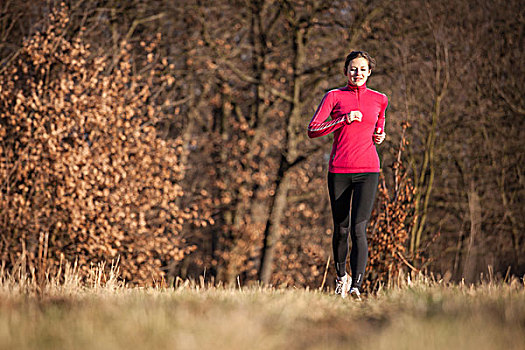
505 98
249 79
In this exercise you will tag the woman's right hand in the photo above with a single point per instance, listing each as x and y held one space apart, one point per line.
354 116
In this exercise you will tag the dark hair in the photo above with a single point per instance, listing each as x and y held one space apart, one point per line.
356 54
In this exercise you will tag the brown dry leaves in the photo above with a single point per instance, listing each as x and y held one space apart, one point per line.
83 173
390 225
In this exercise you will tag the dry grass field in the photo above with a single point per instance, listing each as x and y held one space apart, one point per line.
102 313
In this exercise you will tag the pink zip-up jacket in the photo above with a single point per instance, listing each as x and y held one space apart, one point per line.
353 150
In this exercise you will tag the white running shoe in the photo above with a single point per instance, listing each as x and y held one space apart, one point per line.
342 285
354 293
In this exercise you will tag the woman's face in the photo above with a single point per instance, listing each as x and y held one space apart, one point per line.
358 71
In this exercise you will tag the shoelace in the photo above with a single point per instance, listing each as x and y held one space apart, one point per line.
339 286
343 285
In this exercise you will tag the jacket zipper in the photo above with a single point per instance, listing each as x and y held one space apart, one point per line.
358 100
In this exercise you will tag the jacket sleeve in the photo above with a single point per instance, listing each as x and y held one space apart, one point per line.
319 125
380 124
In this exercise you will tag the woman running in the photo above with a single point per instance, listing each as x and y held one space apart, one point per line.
357 121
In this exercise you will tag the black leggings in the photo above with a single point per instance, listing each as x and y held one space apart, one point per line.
359 191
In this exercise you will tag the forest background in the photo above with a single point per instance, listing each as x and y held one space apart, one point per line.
179 144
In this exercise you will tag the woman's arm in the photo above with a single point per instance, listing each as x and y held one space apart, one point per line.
319 125
379 133
380 124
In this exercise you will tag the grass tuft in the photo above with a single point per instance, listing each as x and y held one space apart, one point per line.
66 312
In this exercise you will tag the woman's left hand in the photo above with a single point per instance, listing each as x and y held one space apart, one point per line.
379 138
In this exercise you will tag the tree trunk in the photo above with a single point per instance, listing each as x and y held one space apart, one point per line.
272 230
471 257
288 157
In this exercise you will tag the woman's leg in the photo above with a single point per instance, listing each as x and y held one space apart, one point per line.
340 191
365 187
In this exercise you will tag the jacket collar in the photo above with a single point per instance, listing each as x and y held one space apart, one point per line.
356 88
